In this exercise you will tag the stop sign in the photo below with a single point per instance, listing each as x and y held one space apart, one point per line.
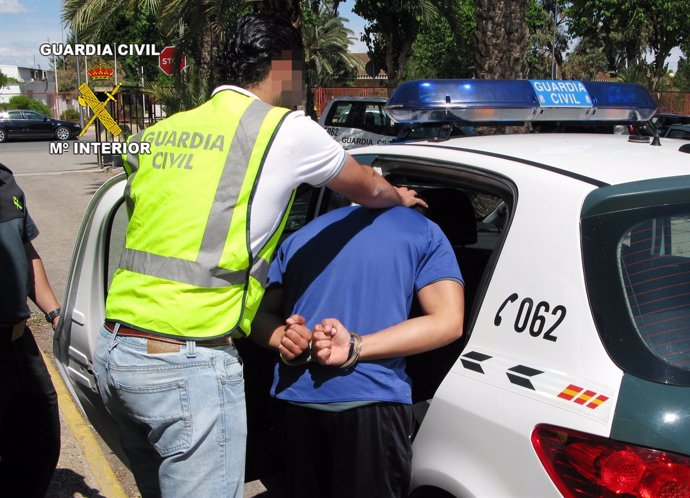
166 61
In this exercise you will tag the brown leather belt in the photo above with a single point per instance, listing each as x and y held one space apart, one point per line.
16 330
158 344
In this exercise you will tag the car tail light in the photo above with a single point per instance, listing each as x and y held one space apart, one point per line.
585 465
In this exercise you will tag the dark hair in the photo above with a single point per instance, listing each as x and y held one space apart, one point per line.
245 58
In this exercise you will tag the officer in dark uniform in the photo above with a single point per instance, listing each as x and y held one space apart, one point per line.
29 419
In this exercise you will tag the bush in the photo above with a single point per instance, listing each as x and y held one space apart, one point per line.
24 102
70 114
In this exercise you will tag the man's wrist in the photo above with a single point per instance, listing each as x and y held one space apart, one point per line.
52 315
302 359
355 350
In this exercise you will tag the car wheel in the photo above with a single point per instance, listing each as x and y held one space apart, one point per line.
62 133
3 135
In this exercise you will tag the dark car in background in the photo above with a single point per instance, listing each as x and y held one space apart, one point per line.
27 124
664 120
678 131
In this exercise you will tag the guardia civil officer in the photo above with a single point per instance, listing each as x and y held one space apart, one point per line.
207 207
29 418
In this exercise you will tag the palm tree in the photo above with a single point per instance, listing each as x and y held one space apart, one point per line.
199 26
501 39
326 56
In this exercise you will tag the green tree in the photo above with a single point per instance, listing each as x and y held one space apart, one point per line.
442 52
625 30
616 27
4 80
585 62
138 25
393 26
197 28
681 78
326 56
548 40
24 102
669 27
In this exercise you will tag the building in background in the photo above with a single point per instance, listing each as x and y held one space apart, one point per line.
36 83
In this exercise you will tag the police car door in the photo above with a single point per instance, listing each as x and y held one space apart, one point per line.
100 241
97 251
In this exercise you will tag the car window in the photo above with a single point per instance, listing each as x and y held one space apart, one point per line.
674 133
338 114
654 261
637 266
33 115
303 208
370 117
474 212
15 115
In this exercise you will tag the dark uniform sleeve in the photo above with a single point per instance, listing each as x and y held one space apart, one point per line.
30 228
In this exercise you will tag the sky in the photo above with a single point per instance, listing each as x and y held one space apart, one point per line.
26 24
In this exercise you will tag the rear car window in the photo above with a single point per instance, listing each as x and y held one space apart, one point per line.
636 254
654 260
678 133
361 115
339 113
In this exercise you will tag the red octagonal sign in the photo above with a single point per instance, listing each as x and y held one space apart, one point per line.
166 61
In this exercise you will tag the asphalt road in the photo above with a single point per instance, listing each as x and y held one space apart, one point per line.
58 189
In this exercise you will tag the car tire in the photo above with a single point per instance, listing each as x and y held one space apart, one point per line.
3 135
62 133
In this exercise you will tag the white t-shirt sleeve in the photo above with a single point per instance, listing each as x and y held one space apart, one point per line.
301 152
314 157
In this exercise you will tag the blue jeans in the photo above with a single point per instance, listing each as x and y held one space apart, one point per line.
181 416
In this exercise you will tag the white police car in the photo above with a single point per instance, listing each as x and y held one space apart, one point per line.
573 375
358 121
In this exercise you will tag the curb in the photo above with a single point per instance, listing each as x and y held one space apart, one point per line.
106 480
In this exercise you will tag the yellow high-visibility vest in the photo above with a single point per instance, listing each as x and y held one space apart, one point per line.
187 269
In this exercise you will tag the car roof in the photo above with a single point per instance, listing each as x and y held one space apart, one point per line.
610 159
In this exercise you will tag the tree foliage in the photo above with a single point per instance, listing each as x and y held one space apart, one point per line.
548 39
196 27
393 25
4 80
626 30
681 78
442 52
408 38
24 102
326 56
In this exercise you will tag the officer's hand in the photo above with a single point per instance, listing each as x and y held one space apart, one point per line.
331 342
296 337
409 197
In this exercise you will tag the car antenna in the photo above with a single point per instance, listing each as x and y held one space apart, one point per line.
656 140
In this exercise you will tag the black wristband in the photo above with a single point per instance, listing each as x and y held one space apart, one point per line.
50 316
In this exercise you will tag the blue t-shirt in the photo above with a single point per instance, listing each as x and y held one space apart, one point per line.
363 267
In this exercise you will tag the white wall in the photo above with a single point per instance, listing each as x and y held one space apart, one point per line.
39 84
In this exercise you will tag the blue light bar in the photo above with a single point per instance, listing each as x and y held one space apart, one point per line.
514 101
